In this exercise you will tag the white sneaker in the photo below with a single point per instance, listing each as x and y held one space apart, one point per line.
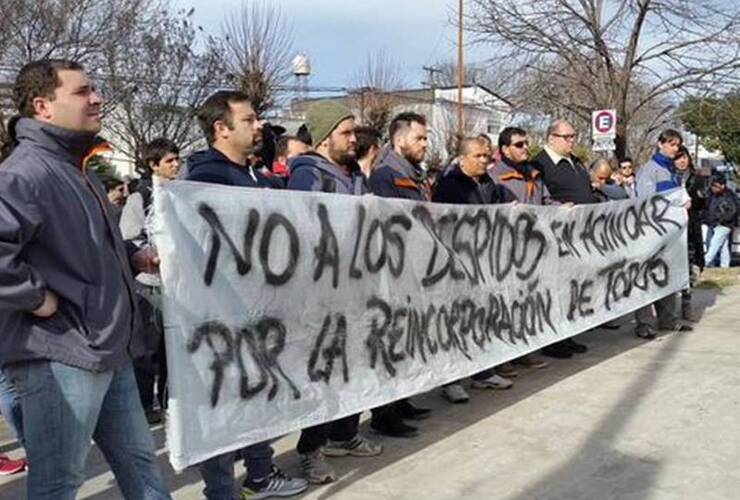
454 393
492 382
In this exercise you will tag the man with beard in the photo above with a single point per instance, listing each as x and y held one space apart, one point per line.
398 174
330 168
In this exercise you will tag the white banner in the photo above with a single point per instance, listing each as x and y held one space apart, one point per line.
286 309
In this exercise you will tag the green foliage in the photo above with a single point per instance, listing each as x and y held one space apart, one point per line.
716 120
102 168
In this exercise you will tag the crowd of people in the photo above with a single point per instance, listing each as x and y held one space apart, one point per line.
82 350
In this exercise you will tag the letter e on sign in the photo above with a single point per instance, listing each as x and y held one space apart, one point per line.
604 123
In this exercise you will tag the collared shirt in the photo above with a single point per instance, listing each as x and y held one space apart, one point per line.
555 157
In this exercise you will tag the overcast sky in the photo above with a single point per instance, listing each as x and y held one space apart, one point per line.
337 34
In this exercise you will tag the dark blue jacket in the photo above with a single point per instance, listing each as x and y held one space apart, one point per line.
456 187
213 166
722 209
395 177
313 172
58 233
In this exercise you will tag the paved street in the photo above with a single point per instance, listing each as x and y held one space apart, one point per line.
629 420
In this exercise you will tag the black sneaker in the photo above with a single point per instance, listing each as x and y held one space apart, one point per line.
409 411
393 427
575 346
557 350
645 333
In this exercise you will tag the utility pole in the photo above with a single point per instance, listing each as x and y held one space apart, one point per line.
431 80
460 70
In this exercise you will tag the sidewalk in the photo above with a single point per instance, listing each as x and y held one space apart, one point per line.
629 420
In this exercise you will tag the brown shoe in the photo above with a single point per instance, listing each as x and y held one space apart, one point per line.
506 370
529 361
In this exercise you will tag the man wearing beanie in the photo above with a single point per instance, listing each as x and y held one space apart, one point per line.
330 168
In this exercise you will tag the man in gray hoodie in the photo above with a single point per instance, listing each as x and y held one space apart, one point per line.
68 312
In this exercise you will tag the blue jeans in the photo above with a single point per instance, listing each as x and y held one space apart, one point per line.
719 243
63 409
218 472
10 407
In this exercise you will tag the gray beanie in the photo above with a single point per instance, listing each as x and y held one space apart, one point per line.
323 117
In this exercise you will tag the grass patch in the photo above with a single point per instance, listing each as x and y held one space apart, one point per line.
717 278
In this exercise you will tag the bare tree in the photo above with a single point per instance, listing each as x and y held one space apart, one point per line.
257 47
71 29
157 81
495 77
591 54
374 85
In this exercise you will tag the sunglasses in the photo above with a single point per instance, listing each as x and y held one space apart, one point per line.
520 144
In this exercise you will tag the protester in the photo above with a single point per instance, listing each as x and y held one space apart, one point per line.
161 158
398 174
625 176
466 182
69 318
518 181
697 188
10 408
657 176
330 168
287 148
232 130
604 186
721 218
116 189
568 181
368 149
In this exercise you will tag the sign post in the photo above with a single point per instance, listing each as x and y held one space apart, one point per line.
604 129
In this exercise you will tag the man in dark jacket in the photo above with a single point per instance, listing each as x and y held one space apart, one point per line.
398 174
568 181
721 218
331 168
68 315
465 182
564 174
232 130
697 186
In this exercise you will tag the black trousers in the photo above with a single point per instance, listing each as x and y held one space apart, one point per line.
313 438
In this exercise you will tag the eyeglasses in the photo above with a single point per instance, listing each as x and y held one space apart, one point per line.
567 137
520 144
